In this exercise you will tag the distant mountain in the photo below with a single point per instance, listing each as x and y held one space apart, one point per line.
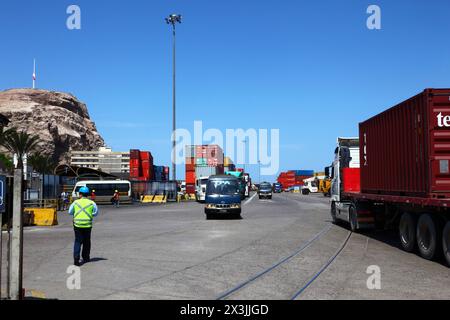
59 119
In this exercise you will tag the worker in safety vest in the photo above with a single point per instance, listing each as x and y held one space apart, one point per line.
83 211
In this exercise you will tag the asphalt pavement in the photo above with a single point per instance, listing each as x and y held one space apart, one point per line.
283 248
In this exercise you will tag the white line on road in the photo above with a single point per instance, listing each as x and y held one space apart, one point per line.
248 201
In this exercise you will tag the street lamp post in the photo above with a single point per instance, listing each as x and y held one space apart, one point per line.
245 152
173 19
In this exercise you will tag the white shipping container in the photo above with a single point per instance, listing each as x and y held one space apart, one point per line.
190 151
204 171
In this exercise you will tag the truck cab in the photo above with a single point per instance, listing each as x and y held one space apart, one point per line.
200 189
346 155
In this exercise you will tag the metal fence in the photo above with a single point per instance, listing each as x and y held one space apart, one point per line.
168 189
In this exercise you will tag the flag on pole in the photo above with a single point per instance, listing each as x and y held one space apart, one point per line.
34 73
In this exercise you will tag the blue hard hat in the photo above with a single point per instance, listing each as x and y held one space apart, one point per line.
84 190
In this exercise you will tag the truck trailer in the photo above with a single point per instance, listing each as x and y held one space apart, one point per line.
397 174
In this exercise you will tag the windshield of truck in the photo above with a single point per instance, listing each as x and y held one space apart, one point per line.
203 182
265 186
222 187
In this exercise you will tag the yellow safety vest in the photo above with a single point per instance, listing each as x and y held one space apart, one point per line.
83 213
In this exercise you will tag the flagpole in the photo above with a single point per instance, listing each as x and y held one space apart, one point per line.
34 73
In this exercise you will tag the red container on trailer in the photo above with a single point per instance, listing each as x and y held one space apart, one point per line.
405 150
351 179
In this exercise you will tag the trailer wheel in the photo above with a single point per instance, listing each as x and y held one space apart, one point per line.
407 230
428 235
446 242
353 218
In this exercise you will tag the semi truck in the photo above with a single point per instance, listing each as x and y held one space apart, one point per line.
396 174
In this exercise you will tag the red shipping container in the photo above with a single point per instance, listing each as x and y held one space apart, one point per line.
134 173
406 149
190 177
190 188
134 154
145 155
351 179
134 162
190 161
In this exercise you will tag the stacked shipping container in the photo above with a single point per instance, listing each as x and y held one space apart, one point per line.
228 164
143 169
294 177
147 165
161 173
202 161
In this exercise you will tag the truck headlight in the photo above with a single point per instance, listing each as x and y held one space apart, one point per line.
210 206
235 206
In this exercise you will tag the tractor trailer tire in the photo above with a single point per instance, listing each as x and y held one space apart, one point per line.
446 242
407 230
428 237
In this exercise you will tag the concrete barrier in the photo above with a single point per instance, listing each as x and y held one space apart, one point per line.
160 199
147 199
43 217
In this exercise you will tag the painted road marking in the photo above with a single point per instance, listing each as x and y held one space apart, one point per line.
248 201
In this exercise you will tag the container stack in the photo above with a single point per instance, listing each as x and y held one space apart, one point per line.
147 165
141 165
135 164
202 161
161 173
294 178
228 164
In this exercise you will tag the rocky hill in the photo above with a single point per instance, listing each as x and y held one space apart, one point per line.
59 119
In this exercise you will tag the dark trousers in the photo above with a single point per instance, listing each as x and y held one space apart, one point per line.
82 239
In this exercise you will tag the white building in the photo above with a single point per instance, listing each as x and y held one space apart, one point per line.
104 159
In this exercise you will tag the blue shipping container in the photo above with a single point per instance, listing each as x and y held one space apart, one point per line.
304 172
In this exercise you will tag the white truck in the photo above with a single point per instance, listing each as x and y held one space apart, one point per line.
311 185
200 189
346 155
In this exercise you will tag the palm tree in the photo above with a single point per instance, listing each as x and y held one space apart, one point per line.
42 164
19 143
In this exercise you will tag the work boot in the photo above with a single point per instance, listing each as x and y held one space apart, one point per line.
87 260
77 263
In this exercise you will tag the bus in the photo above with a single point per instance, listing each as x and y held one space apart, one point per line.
105 189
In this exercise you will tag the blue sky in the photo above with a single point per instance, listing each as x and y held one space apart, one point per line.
311 69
